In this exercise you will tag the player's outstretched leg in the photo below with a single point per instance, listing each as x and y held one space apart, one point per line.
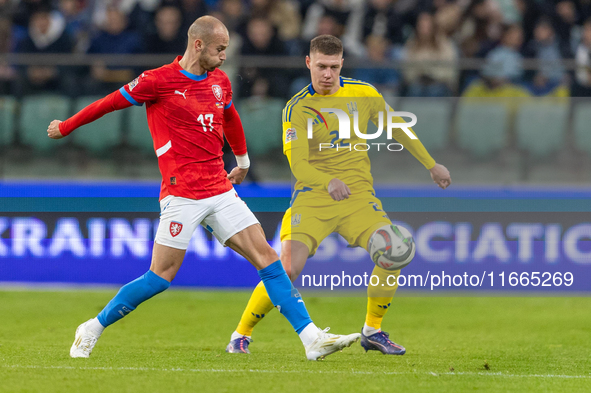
251 243
318 343
166 262
126 300
378 303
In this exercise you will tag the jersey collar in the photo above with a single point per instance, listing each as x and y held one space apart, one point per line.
187 73
312 91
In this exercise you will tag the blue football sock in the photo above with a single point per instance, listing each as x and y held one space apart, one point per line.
131 295
285 296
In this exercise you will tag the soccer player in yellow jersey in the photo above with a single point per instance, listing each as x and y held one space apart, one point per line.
334 188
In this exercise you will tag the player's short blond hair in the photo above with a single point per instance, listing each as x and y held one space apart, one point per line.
327 45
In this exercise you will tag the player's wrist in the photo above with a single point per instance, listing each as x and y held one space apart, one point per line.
328 181
243 161
60 128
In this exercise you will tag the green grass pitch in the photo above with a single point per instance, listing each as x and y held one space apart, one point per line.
175 343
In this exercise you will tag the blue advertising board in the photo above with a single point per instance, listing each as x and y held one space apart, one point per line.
467 238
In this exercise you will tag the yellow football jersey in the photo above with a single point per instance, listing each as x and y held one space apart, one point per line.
314 144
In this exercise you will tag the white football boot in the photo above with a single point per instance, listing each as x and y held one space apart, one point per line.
328 343
84 341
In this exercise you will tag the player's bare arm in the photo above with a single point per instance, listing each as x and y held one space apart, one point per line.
53 131
440 176
338 190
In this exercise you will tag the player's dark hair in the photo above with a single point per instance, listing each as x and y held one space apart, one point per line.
327 45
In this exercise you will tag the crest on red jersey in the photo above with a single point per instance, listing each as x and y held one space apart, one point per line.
175 228
217 92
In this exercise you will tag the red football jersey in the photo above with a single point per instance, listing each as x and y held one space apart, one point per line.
185 117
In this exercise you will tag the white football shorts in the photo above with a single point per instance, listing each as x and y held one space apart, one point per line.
223 215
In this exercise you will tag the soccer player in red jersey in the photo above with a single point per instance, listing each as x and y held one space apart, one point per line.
189 108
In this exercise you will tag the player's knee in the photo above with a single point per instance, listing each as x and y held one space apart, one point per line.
167 274
288 270
293 271
158 283
285 257
271 255
265 256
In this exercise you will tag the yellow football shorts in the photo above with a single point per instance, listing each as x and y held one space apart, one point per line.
314 215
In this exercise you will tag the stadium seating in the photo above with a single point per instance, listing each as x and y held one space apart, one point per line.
581 124
102 135
541 127
261 120
36 113
7 112
433 117
138 132
481 126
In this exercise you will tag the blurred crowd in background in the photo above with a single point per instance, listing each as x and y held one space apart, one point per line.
432 36
406 48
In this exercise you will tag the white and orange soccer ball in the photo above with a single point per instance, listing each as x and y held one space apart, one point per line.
392 247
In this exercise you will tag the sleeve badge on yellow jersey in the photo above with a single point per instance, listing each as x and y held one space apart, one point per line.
290 135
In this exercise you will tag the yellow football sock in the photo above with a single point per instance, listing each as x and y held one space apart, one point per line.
379 297
258 306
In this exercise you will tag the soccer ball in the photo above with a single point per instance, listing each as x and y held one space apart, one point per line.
392 247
